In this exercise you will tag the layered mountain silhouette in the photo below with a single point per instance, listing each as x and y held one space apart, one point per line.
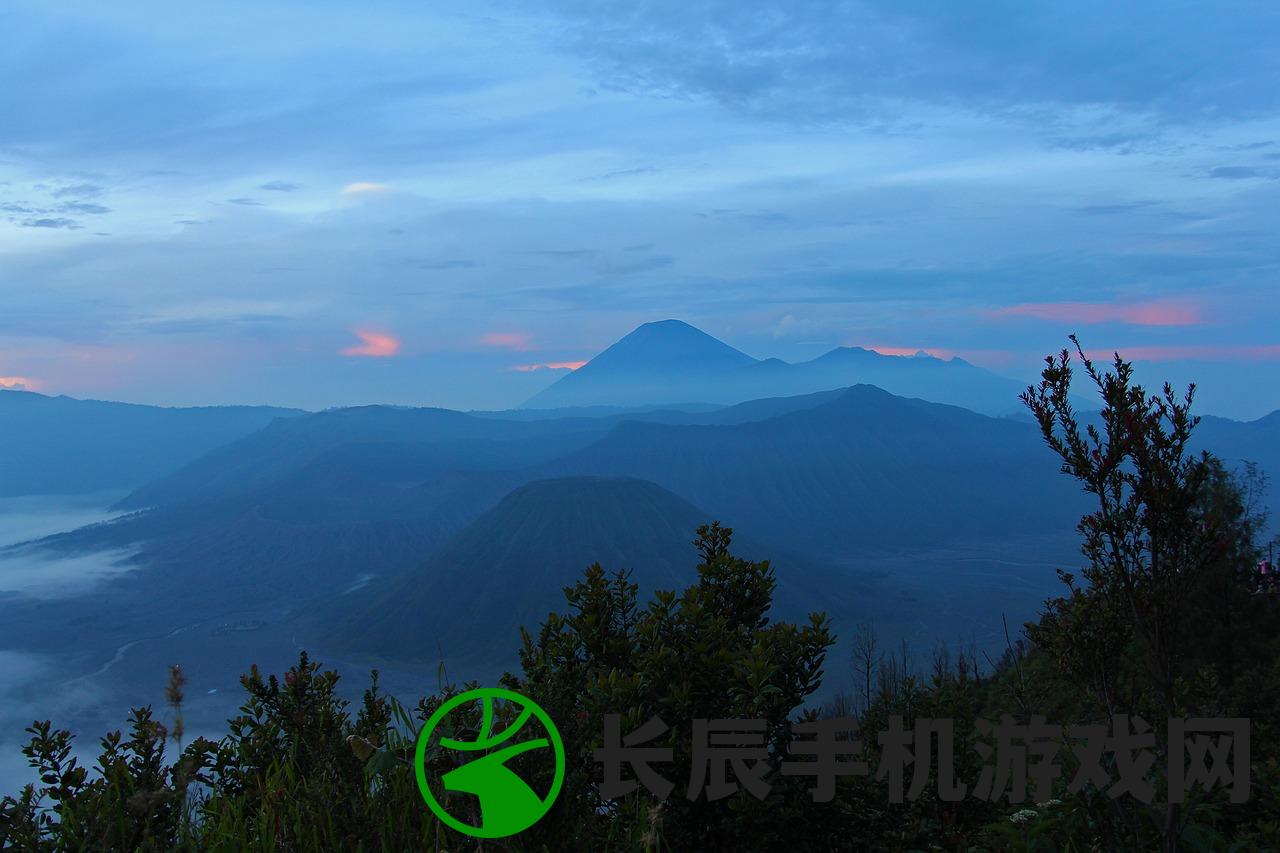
399 445
672 362
422 506
61 445
323 499
1241 443
863 471
332 495
340 453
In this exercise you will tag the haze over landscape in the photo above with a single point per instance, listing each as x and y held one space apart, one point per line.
345 531
365 329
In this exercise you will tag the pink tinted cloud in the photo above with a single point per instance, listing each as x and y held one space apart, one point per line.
1155 313
515 341
549 365
374 345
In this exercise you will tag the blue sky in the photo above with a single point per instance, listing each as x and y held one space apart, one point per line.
330 203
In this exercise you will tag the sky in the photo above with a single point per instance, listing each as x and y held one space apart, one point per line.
320 203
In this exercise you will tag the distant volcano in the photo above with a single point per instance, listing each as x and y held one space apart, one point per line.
671 362
659 362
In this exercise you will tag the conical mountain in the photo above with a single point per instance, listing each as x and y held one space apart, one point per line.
660 362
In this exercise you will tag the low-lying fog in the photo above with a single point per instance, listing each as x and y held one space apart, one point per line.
27 570
26 518
88 680
32 685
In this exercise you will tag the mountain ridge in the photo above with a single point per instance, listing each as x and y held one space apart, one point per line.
672 362
74 446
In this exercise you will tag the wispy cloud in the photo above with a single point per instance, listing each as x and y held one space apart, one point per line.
1240 173
1111 209
549 365
364 187
445 264
52 222
374 345
795 60
78 191
280 186
84 207
1157 313
515 341
636 172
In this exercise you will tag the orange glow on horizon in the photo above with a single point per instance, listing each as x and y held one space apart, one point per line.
19 382
910 351
375 345
990 358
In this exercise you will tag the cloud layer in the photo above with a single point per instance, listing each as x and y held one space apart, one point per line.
208 211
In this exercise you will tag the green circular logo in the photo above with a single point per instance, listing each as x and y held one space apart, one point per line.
507 803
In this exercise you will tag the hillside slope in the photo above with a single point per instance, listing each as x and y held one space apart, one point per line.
399 443
61 445
508 568
866 470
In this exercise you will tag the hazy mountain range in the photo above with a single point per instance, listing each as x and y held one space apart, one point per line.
401 534
59 445
672 362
